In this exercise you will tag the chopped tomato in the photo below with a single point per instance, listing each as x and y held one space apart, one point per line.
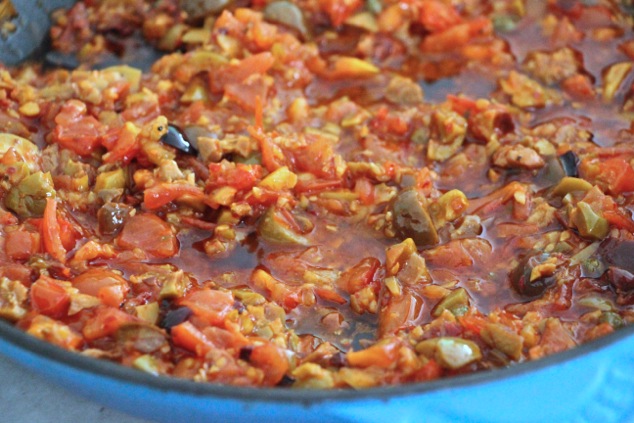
430 371
105 322
239 176
49 297
76 130
618 219
245 94
437 16
149 233
271 360
235 74
272 155
187 336
104 284
329 295
164 193
51 232
618 174
209 305
317 157
22 244
339 10
54 332
379 355
456 36
400 312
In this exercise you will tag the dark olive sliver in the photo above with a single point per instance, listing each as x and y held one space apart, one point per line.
618 253
245 353
286 381
175 138
175 317
521 278
569 161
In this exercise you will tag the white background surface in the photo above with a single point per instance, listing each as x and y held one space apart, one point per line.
27 397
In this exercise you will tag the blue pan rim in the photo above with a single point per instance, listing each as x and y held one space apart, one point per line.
128 375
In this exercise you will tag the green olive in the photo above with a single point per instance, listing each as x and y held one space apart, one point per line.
457 302
141 337
450 352
286 13
273 228
197 9
503 339
28 197
588 222
569 184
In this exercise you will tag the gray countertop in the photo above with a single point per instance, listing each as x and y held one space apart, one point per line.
27 397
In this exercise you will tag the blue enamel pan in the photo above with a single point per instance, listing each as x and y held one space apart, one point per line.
591 383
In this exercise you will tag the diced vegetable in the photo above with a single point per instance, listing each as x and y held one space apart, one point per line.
450 352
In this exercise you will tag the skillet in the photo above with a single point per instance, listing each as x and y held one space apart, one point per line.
586 384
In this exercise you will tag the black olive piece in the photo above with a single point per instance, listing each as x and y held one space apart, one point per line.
618 253
569 162
620 279
412 220
337 360
245 353
175 317
176 139
111 217
286 381
521 277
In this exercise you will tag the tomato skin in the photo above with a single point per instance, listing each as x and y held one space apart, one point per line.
125 147
359 276
49 297
51 232
271 360
68 234
164 193
149 233
209 305
104 284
